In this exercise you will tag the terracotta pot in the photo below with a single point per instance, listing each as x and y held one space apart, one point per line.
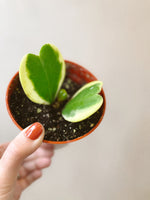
78 74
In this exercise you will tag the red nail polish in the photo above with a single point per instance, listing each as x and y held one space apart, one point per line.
34 131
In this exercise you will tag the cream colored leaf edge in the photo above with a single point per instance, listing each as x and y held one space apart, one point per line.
89 111
92 83
63 70
85 113
27 84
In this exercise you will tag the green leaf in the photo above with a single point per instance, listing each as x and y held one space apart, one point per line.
62 95
84 103
42 76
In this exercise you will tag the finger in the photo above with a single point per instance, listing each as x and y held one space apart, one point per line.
41 152
47 146
3 148
25 182
30 166
40 163
21 147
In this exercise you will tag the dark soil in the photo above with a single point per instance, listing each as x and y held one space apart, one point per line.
56 127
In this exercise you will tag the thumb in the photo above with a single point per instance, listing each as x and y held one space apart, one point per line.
21 147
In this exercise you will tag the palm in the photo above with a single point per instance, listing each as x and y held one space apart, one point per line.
31 168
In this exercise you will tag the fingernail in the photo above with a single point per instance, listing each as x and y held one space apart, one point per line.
34 131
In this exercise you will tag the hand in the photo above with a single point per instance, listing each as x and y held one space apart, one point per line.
18 169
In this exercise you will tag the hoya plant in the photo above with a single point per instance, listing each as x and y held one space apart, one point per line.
42 76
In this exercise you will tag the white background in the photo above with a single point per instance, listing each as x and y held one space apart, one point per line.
111 38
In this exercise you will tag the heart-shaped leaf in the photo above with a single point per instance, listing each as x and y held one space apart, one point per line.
84 103
42 76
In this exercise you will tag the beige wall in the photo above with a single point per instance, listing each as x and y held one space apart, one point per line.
112 39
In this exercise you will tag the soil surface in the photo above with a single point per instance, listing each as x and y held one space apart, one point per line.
56 127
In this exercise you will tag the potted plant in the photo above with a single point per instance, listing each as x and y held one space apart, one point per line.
65 97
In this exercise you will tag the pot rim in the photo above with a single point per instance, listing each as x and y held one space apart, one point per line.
56 142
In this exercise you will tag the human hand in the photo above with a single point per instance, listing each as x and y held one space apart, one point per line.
22 161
